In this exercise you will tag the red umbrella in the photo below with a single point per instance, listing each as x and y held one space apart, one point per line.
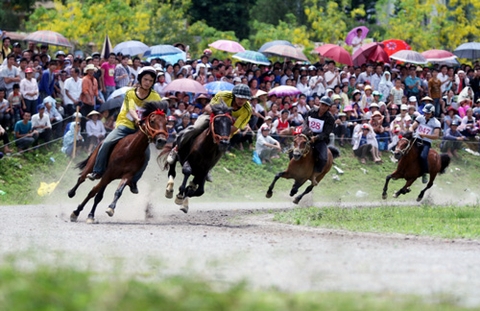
370 52
335 52
394 45
438 55
185 85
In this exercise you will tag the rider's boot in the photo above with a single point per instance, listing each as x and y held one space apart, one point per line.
425 178
133 187
93 176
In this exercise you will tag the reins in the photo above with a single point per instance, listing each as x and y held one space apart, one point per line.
405 150
147 129
307 148
217 138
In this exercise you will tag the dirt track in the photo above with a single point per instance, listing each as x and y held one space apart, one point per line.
230 242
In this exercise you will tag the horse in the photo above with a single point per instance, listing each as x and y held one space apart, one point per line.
409 167
301 167
199 156
126 159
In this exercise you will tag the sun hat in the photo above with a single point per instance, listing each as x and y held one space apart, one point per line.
451 108
259 93
367 87
342 114
202 96
365 127
412 99
348 108
268 118
376 114
41 106
455 123
403 107
376 93
396 129
49 99
393 106
265 127
93 112
89 67
427 98
374 105
336 96
171 118
28 70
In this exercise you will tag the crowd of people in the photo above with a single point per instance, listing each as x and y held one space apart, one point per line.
43 95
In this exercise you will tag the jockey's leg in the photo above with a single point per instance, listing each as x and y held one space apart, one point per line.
189 134
138 175
424 161
322 155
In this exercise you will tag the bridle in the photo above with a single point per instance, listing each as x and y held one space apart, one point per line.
217 138
409 146
307 148
148 130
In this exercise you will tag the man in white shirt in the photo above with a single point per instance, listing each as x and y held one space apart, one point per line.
317 84
41 124
73 90
357 41
266 146
443 77
303 85
366 75
332 76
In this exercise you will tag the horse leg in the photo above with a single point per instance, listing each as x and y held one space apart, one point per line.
181 190
169 189
307 190
80 180
270 189
429 185
98 199
91 194
295 187
405 189
385 187
118 193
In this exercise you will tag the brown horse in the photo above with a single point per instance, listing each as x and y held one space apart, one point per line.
409 167
126 158
301 167
199 156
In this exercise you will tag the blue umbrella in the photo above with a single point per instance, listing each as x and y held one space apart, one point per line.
131 48
273 43
161 50
252 57
172 59
470 50
217 86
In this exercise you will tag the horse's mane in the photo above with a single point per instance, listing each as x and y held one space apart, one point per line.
153 106
408 135
221 108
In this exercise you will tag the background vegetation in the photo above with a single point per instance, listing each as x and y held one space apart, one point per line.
424 24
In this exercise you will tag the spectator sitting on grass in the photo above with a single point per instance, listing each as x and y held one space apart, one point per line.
266 146
95 130
41 124
68 138
365 143
452 140
25 135
281 128
468 127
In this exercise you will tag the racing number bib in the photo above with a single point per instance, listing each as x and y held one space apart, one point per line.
424 129
316 125
139 113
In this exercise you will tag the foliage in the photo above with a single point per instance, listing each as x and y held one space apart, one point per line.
277 12
61 288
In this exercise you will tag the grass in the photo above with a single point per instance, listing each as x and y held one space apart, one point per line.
61 288
437 221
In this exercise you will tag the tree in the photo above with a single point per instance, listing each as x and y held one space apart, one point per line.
278 11
327 23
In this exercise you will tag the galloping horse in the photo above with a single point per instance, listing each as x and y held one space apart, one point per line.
409 168
126 159
199 156
301 167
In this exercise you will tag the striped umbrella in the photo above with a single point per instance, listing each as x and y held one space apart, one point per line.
161 50
252 57
48 37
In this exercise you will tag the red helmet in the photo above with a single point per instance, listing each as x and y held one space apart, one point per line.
171 118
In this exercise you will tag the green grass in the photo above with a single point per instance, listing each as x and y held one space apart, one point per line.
61 288
438 221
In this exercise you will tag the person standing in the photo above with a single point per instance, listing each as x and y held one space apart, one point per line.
122 73
89 92
9 74
29 90
108 76
5 51
435 91
357 41
73 90
46 86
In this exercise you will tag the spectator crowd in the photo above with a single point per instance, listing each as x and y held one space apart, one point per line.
373 104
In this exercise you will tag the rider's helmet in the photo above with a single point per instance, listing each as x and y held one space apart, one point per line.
171 118
147 70
242 91
326 100
429 108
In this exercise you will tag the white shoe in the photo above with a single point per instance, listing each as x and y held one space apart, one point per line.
172 156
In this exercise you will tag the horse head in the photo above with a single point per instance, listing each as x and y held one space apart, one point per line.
221 125
154 123
301 146
404 145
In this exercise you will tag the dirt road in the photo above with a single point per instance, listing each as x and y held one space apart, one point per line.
235 241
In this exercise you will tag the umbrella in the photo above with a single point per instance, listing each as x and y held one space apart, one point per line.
217 86
161 50
286 51
185 85
370 52
284 90
119 92
470 50
112 103
48 37
335 52
252 57
107 47
227 46
394 45
131 48
439 56
273 43
353 33
408 56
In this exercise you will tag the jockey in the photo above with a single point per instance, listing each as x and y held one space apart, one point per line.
127 123
238 98
426 128
318 124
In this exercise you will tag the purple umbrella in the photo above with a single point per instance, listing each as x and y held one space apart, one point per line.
284 90
353 33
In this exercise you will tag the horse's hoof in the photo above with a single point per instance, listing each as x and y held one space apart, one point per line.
269 194
419 199
408 190
169 194
110 211
73 217
395 195
185 206
384 196
296 200
90 220
178 200
71 194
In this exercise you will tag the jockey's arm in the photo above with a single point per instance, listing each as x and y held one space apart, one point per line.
435 135
413 127
207 109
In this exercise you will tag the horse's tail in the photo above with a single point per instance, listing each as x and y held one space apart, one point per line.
82 164
445 161
163 156
335 152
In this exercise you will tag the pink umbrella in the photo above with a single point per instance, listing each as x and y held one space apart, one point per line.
284 90
335 52
438 55
48 37
227 46
370 52
353 33
185 85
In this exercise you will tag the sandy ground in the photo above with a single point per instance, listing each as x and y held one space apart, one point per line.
229 242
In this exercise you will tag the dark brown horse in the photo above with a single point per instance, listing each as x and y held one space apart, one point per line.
301 167
409 167
200 156
126 158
